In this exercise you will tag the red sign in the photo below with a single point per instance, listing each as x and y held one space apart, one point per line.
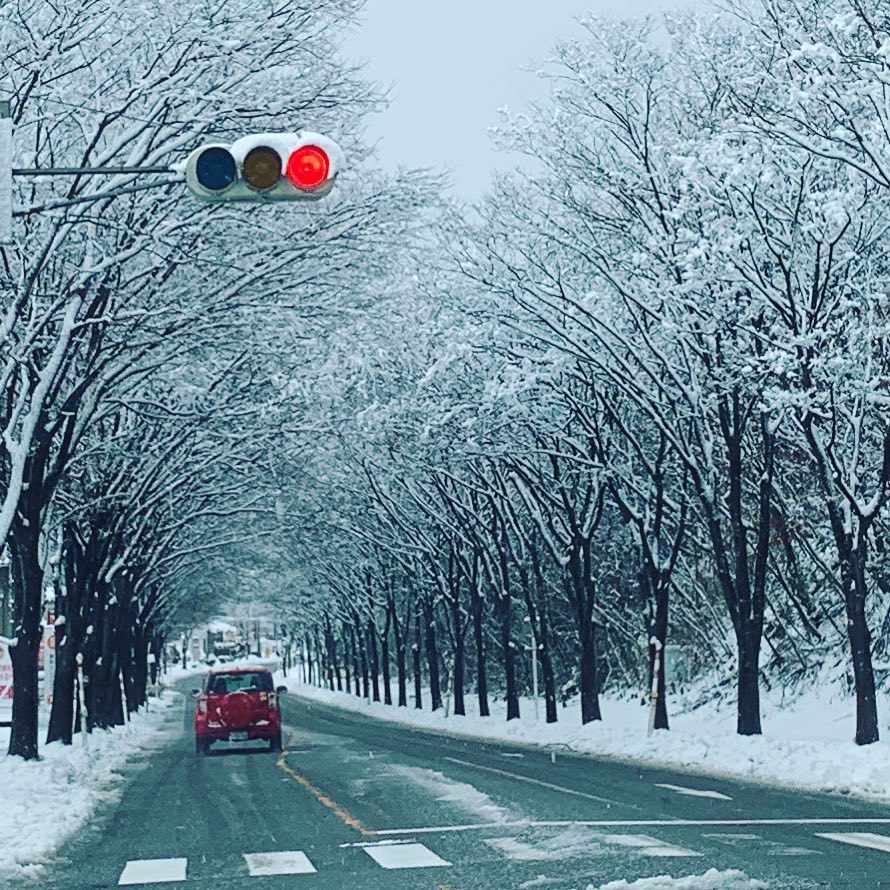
5 672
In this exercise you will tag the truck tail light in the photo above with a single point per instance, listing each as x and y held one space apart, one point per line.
202 704
273 701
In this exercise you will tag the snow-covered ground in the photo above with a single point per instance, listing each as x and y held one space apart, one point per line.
807 742
710 880
46 800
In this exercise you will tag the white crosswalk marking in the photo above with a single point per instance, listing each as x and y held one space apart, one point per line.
404 856
153 871
285 862
859 839
647 846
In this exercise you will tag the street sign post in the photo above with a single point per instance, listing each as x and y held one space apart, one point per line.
5 173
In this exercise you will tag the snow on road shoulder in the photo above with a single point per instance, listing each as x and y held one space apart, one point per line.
807 744
46 800
710 880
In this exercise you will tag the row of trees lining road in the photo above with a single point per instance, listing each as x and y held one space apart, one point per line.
640 399
144 337
636 398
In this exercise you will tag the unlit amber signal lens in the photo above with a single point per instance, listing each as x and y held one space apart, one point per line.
261 169
308 167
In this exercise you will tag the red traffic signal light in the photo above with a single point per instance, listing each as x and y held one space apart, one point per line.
265 167
308 166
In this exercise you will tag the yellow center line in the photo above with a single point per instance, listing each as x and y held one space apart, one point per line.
344 816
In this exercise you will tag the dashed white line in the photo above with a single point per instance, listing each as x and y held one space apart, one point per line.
859 839
647 846
693 792
541 784
152 871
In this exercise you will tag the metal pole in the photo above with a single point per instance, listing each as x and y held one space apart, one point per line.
83 171
653 693
534 671
5 173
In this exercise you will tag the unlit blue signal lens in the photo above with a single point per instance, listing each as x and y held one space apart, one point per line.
215 169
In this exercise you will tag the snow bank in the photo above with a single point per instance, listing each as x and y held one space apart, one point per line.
808 743
710 880
46 800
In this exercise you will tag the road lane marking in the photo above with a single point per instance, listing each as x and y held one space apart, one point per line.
693 792
345 817
152 871
647 846
624 823
285 862
773 848
859 839
392 856
541 784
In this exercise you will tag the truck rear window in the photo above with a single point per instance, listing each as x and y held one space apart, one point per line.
222 684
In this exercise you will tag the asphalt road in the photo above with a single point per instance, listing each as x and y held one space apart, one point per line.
352 803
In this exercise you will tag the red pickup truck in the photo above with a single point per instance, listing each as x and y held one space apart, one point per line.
237 704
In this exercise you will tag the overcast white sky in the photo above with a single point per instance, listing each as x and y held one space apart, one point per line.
453 63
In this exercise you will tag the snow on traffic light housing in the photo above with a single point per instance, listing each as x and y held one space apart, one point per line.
265 167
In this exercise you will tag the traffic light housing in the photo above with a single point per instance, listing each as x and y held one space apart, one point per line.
265 167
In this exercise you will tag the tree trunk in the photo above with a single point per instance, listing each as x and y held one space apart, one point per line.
459 664
547 674
590 701
27 587
860 648
504 613
346 661
371 637
541 630
658 631
415 648
481 665
363 660
748 641
401 669
590 706
432 654
384 659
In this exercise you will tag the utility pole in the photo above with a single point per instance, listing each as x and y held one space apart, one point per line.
5 172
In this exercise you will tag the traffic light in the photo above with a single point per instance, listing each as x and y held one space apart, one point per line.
265 167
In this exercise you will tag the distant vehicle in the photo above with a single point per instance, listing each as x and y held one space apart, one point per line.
227 651
237 705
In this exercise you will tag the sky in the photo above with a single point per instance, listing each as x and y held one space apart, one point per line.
452 63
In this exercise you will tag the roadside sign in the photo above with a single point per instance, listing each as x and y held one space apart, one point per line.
5 675
49 663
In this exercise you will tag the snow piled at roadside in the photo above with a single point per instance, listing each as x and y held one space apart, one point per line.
710 880
46 800
807 744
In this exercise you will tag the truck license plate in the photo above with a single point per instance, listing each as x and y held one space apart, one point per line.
238 736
